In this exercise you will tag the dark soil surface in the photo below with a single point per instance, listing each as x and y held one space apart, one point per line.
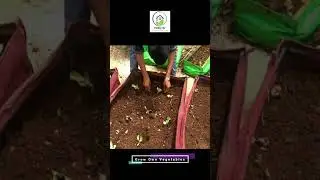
136 112
200 56
221 97
62 130
288 141
198 119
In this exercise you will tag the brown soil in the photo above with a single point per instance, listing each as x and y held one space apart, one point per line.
62 130
198 119
221 97
200 56
129 116
292 127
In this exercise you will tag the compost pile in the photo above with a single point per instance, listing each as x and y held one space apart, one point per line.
200 56
59 129
198 119
288 138
145 120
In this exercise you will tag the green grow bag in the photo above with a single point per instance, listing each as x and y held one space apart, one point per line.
149 61
195 70
215 7
265 27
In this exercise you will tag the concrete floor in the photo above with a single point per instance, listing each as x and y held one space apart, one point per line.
44 22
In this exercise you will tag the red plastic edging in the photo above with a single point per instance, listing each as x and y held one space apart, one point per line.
15 69
180 142
12 105
114 81
116 85
252 116
230 142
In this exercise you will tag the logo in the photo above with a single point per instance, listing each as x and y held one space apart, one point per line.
160 21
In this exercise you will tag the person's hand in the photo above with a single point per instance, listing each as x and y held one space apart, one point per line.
147 83
166 84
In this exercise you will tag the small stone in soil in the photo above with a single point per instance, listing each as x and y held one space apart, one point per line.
267 173
47 143
276 91
263 149
152 115
263 142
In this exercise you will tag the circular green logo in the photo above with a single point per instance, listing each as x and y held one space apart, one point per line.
159 18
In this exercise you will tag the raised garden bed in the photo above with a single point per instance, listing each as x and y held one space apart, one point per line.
59 128
141 120
198 117
287 138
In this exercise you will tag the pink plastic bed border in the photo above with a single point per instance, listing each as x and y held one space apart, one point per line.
251 117
17 47
233 160
15 69
182 115
230 145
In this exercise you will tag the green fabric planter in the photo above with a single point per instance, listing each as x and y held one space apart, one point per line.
195 70
264 27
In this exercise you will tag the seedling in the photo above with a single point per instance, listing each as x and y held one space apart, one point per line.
112 146
169 96
167 121
134 86
159 90
139 139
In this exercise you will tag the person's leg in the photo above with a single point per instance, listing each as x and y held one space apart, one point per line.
75 11
174 67
133 60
